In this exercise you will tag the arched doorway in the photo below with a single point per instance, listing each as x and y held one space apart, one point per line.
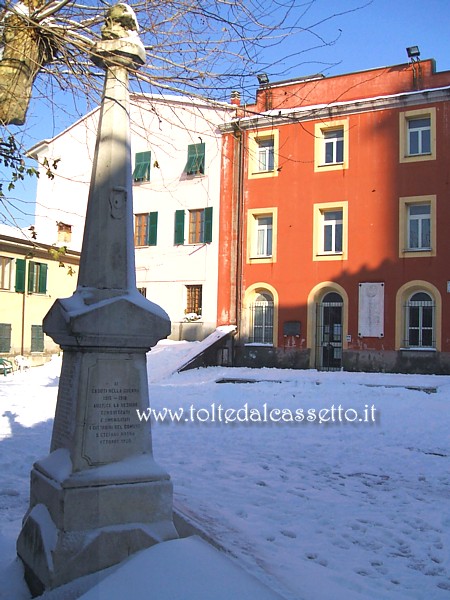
419 321
329 328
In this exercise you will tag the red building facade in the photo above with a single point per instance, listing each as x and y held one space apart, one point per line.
335 204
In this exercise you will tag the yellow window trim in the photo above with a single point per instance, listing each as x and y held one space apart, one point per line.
319 130
403 293
249 295
319 209
403 251
252 215
253 139
416 114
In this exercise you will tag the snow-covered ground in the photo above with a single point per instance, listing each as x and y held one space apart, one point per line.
317 510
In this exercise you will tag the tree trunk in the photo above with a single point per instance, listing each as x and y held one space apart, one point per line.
26 50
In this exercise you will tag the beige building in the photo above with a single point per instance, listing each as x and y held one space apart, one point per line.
31 279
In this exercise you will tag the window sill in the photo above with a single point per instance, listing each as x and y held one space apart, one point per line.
412 250
418 155
331 164
255 260
418 349
417 253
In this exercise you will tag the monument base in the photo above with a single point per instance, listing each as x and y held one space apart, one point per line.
82 523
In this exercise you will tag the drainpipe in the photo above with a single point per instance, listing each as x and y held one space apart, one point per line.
239 216
22 343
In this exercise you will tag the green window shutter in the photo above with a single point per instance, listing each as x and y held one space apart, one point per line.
196 159
152 228
37 338
31 270
208 224
20 275
142 166
5 337
179 227
42 284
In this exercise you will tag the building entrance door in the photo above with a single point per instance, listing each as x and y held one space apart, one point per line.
329 332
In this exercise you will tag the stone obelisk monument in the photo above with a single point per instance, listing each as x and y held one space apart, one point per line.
99 496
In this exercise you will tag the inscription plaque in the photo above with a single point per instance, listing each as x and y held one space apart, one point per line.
65 414
111 429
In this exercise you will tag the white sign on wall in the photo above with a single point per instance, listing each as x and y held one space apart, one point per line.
371 310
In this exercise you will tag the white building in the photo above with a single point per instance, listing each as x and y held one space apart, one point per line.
176 148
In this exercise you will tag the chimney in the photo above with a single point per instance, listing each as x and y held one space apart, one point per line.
235 98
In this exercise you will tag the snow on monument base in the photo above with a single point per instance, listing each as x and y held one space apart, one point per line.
75 528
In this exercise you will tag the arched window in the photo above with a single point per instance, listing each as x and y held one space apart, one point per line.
261 318
420 321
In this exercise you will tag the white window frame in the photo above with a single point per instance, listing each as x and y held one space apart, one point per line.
264 235
420 219
266 154
6 269
332 138
254 228
332 225
420 131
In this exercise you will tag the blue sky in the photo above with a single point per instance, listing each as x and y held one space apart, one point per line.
374 36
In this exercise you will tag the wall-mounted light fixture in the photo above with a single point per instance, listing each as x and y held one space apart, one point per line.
263 78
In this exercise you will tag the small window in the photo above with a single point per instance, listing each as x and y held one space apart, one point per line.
64 232
263 154
194 299
5 337
146 229
37 338
195 164
5 272
330 233
332 222
264 236
419 136
417 130
37 278
199 226
419 227
266 154
196 226
419 319
141 171
333 146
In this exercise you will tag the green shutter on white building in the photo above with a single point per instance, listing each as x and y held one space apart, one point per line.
196 159
179 227
142 166
152 228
